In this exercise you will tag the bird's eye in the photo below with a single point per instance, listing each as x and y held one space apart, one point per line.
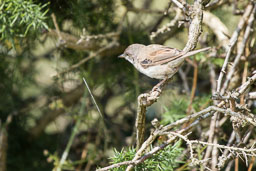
131 58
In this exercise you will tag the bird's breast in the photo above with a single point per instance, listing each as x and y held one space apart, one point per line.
158 71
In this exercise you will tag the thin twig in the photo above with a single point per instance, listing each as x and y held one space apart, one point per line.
57 27
241 50
193 90
92 55
233 41
93 99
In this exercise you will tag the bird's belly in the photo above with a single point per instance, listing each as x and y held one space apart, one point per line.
159 71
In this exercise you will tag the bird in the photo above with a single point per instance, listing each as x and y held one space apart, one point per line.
157 61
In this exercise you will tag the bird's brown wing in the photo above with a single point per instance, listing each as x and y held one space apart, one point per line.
158 55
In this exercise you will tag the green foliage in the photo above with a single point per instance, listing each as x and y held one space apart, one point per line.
15 76
17 17
218 61
166 159
201 102
179 105
200 57
176 111
122 156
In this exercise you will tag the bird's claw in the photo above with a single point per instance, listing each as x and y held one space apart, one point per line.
157 89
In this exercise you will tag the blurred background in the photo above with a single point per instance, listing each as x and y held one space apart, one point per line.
48 46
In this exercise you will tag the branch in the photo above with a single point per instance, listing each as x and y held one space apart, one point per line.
233 41
148 99
92 55
248 31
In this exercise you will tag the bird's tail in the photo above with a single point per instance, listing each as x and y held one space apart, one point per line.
191 53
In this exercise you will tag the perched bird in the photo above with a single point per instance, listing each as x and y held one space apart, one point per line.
157 61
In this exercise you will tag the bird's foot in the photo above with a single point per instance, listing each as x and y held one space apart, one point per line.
157 89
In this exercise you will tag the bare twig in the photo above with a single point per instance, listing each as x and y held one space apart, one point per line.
241 50
180 5
92 55
93 99
233 40
168 26
61 41
193 90
195 28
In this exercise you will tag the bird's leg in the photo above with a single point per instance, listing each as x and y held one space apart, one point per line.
160 85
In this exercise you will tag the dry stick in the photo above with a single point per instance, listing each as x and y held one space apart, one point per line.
146 100
211 135
251 164
245 73
226 157
181 121
251 150
248 31
75 129
242 102
195 28
215 153
215 150
139 157
223 158
93 99
169 25
193 90
204 114
239 92
235 130
57 27
180 5
140 122
87 38
95 103
230 165
233 41
236 164
252 96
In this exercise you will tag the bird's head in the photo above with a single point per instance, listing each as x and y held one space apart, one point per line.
131 52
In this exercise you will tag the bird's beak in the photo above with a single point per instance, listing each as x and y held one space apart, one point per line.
121 56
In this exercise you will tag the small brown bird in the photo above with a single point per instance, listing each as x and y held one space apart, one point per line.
157 61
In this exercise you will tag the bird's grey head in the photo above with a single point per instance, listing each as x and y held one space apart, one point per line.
131 52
